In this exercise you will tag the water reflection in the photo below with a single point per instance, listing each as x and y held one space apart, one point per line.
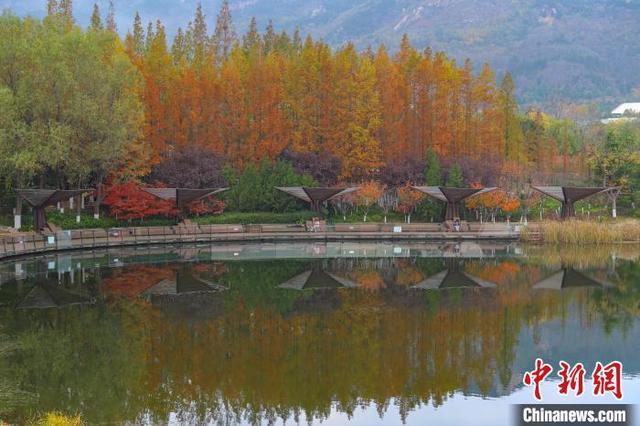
44 295
568 278
264 332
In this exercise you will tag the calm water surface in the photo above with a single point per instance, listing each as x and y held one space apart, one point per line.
436 333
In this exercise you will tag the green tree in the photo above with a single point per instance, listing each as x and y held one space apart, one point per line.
69 103
254 189
513 136
433 171
454 178
96 20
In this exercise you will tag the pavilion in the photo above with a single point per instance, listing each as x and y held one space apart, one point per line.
568 195
316 196
317 278
567 278
39 199
182 197
452 196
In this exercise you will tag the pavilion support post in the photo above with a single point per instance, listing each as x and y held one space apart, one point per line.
452 211
17 214
96 202
39 220
568 210
78 207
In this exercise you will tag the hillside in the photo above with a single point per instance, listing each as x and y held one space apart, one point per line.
581 50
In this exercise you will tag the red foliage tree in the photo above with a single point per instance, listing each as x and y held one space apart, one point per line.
208 205
128 201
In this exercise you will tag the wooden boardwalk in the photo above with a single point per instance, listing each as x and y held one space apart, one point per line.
29 244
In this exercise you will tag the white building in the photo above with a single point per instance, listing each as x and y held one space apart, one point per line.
626 108
624 112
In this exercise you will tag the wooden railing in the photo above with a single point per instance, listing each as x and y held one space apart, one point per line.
25 244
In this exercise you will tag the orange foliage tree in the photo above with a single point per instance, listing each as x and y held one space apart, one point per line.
272 93
367 196
408 199
495 201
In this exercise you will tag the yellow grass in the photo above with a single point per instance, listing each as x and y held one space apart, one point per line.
584 232
57 419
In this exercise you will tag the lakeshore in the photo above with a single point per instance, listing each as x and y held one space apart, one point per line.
25 244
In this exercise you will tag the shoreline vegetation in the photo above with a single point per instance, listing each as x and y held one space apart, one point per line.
582 232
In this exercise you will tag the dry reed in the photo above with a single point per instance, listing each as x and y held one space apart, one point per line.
584 232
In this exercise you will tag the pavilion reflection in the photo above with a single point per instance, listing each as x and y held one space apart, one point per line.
46 295
568 278
317 278
184 283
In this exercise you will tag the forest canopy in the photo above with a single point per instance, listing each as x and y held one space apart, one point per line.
81 107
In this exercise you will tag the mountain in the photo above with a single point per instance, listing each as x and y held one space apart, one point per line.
579 50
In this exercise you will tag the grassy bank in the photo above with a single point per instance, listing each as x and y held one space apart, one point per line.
584 232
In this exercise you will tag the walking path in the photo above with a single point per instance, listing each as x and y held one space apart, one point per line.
31 243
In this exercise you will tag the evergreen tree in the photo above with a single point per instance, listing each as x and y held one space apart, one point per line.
455 179
433 171
96 20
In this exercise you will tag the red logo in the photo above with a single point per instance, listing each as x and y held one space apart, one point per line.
606 378
572 378
536 376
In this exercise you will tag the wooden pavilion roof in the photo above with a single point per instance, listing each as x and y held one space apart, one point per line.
183 196
570 193
316 195
452 195
39 198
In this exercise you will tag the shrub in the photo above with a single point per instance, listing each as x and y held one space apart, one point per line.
254 189
257 217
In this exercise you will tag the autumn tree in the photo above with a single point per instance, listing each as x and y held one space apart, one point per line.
408 199
225 34
127 201
513 136
367 196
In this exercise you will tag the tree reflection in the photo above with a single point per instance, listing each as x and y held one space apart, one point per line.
261 351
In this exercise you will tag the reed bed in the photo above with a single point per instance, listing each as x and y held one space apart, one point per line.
584 232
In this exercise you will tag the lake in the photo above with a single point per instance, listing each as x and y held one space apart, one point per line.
415 333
